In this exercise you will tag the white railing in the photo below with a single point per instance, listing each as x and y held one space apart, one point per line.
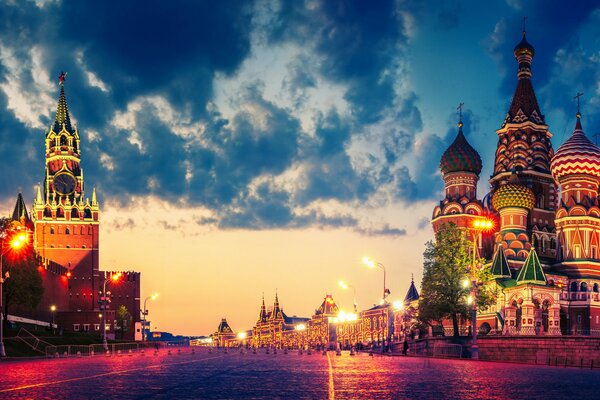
99 349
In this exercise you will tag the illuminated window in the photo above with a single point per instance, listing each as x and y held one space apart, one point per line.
76 327
86 327
96 327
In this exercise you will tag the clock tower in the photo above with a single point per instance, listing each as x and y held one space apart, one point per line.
67 223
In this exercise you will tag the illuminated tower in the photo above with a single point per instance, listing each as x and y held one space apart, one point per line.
576 167
66 223
513 201
524 147
460 166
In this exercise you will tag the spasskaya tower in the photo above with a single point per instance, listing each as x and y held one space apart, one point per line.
66 222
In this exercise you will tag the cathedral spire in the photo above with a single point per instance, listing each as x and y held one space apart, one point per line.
62 111
524 105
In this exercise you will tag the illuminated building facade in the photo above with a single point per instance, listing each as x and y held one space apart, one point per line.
544 251
65 225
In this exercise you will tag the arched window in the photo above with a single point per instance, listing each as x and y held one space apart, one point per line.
63 140
67 231
539 203
52 230
47 212
553 244
87 213
573 286
583 287
595 288
74 213
60 213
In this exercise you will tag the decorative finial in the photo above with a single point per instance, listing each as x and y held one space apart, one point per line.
459 108
62 77
412 277
524 20
577 96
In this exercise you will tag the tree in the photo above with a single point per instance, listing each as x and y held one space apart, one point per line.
123 319
24 286
447 264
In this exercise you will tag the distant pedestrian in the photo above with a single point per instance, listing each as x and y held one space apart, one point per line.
405 346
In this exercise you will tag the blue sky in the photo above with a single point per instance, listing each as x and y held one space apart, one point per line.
280 116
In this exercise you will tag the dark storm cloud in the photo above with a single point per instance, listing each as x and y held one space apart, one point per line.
175 51
357 44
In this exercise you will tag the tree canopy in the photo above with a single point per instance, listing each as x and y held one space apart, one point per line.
447 264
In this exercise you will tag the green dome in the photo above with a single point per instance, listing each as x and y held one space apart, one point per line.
513 195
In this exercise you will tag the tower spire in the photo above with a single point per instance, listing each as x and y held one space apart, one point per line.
459 108
62 119
578 115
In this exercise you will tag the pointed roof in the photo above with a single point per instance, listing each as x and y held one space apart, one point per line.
500 267
412 293
578 155
276 309
531 271
327 307
524 106
224 327
20 213
263 311
62 113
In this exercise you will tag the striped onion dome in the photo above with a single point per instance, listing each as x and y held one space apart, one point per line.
460 156
513 194
578 155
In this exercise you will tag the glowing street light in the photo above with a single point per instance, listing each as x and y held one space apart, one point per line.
53 310
372 264
398 305
242 335
345 286
300 327
104 300
153 296
477 228
16 242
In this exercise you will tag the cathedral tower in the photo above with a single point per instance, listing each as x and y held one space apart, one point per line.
66 223
576 167
524 147
460 166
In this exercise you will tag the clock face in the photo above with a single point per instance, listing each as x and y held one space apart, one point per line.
64 183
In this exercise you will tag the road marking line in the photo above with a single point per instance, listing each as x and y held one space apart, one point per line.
331 388
124 371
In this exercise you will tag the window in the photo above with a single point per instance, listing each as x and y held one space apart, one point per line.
52 230
76 327
67 231
96 327
86 327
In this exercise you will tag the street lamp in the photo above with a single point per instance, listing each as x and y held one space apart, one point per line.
345 286
104 301
153 296
53 309
477 228
372 264
16 242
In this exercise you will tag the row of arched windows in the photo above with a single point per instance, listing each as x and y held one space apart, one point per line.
76 230
75 213
582 287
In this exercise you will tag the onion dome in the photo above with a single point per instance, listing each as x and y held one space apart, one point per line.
524 47
513 194
578 155
460 156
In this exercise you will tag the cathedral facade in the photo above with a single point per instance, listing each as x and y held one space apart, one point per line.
544 249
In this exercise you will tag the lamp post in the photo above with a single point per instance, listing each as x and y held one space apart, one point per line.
53 309
345 286
145 314
372 264
477 228
104 300
16 242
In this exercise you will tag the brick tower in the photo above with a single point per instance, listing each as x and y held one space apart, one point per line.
67 223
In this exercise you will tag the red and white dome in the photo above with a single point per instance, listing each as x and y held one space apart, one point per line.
577 156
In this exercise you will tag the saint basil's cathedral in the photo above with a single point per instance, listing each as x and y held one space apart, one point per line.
66 226
545 246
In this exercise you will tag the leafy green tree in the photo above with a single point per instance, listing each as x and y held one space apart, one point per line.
447 264
24 284
123 319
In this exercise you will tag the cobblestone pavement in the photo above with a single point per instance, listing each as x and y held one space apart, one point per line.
217 375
